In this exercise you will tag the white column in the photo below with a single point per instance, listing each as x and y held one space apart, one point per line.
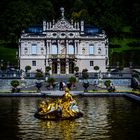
75 47
58 66
50 64
67 66
58 48
67 44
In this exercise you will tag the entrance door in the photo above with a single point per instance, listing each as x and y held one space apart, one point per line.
54 67
71 67
63 66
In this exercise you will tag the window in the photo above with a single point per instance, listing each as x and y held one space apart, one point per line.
91 49
25 50
99 50
42 50
33 63
91 63
34 49
54 49
70 49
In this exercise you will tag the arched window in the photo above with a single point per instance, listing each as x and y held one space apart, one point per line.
91 49
70 49
54 49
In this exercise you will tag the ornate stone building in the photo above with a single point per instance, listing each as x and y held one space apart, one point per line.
62 45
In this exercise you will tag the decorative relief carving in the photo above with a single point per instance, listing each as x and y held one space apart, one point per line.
62 25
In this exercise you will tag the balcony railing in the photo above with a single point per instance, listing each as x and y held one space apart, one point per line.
61 56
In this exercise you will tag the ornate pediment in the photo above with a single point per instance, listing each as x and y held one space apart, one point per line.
62 24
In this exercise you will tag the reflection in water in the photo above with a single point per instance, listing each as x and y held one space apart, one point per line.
104 119
65 127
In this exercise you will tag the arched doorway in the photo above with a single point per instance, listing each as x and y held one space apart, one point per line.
71 66
62 66
54 66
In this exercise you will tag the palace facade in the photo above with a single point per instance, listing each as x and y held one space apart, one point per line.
62 45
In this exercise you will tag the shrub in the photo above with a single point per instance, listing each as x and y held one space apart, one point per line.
27 68
136 75
72 80
48 68
51 81
85 85
114 46
96 68
107 83
76 69
14 83
85 74
134 44
39 75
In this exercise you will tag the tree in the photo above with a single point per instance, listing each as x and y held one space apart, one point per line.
51 81
85 74
48 68
85 85
15 84
27 68
39 75
96 68
76 69
72 81
107 83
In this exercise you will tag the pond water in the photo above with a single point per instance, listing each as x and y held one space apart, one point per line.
112 118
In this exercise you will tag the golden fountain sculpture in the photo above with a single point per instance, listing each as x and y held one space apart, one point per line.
61 109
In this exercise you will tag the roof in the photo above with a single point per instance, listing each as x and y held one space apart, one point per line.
92 30
36 29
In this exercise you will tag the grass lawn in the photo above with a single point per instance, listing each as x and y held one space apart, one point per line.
8 54
123 43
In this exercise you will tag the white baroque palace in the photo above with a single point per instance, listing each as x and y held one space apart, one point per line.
62 45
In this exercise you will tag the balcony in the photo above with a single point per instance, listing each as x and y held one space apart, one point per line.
53 56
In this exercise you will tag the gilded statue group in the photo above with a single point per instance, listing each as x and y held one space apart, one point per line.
63 108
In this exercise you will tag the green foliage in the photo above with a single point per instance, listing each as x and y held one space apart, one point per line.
48 68
85 74
107 83
136 75
51 81
85 85
17 15
39 75
72 80
14 83
27 68
76 69
96 68
8 57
